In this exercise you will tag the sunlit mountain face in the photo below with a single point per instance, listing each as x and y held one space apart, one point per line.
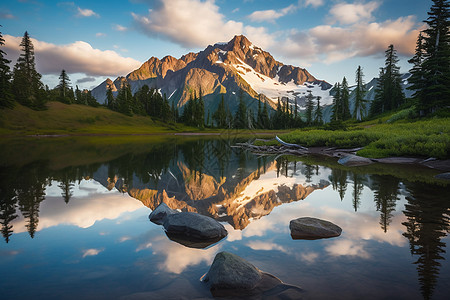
81 230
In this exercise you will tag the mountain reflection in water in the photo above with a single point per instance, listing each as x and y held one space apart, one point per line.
235 187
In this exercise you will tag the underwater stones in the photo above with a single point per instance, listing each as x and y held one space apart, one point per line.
445 176
312 228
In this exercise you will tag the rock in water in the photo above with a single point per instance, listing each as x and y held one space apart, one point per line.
312 229
160 213
354 160
233 276
194 226
229 271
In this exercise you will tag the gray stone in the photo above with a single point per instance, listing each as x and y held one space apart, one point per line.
354 160
160 213
193 226
312 228
233 277
443 176
229 271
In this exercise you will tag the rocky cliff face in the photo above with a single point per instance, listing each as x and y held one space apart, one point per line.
227 69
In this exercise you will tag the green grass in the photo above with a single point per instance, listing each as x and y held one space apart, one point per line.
75 119
426 138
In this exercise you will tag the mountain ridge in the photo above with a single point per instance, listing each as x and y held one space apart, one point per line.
229 69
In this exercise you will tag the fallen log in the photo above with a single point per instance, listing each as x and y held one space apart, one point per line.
289 144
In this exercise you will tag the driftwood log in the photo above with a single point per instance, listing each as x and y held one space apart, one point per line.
294 149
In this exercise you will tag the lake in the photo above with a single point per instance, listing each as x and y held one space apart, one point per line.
74 219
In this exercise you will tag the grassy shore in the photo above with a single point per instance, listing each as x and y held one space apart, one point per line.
75 119
423 138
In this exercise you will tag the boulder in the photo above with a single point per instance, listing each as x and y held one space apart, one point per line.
312 229
229 271
160 213
445 176
354 160
233 276
193 226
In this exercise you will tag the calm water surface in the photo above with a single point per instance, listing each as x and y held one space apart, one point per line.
74 220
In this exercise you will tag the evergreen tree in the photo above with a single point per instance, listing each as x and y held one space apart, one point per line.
389 93
110 101
124 99
417 77
220 116
309 109
265 117
241 120
360 103
26 80
377 105
200 111
435 67
345 96
318 117
64 87
337 103
6 98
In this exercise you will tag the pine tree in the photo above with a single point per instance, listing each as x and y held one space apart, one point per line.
345 96
265 117
318 117
26 80
337 103
110 101
64 87
389 94
6 98
241 120
220 115
124 99
435 68
200 112
360 103
309 109
377 105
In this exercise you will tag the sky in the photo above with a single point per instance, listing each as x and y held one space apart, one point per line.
94 40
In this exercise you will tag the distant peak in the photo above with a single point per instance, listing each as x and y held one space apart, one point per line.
240 40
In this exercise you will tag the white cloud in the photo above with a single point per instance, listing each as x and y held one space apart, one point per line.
78 57
120 28
100 34
271 15
350 13
175 20
6 16
335 43
313 3
91 252
86 13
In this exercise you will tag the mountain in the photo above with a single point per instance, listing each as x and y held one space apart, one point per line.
370 88
227 69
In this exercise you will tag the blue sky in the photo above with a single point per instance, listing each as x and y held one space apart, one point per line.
94 40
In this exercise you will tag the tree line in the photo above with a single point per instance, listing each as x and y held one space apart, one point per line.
23 84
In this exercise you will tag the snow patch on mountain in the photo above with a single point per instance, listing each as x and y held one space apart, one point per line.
274 89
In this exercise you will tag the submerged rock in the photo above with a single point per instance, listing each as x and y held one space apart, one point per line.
312 229
233 276
354 160
193 226
443 176
160 213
